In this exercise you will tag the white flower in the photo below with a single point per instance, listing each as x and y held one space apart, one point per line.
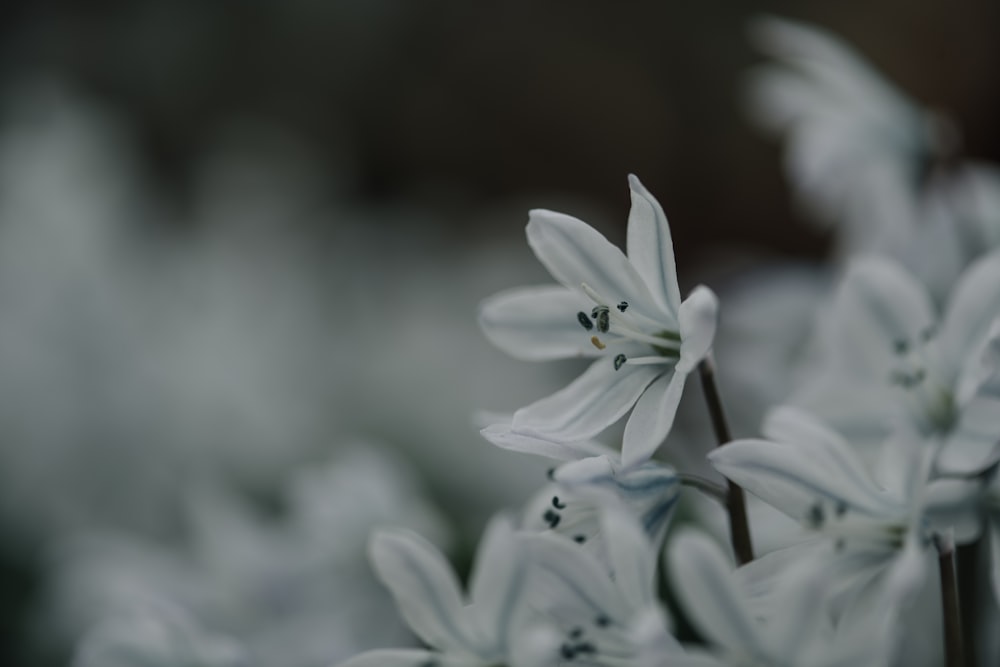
874 525
796 631
476 633
593 611
893 363
626 311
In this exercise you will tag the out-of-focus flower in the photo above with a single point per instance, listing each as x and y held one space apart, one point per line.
894 364
477 633
156 636
625 310
798 630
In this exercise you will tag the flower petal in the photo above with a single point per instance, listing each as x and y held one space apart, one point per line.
537 323
651 249
406 658
589 404
424 587
652 418
633 562
879 308
497 581
973 305
504 435
699 315
575 253
704 582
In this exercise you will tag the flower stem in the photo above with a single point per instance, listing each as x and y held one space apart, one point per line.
739 527
950 610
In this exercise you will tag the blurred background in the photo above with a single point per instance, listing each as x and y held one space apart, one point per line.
242 243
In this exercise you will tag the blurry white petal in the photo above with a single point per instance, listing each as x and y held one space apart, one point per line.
652 418
633 562
424 587
699 315
651 249
575 253
589 404
537 323
504 435
496 580
407 658
703 581
973 305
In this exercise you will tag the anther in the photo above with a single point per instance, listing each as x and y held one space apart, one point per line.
816 516
901 346
841 508
551 473
622 306
596 342
579 539
586 648
620 361
552 518
584 320
602 621
576 633
603 319
558 504
567 652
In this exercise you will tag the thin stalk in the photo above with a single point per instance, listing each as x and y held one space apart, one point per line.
954 648
739 527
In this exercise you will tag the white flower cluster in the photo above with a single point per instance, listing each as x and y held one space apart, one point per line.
884 454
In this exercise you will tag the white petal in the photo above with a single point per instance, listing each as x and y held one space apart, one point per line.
703 581
496 581
538 323
878 306
954 504
650 247
406 658
633 562
974 303
591 403
424 587
699 315
652 418
575 253
503 435
804 613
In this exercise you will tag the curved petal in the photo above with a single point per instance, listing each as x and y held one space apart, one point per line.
704 582
880 310
575 253
537 323
505 436
631 555
652 418
589 404
405 658
497 581
972 307
650 247
424 587
699 315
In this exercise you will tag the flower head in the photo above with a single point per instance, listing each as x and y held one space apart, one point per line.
624 310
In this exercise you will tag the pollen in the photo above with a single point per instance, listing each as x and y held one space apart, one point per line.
597 343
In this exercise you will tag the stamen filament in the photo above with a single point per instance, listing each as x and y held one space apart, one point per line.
648 361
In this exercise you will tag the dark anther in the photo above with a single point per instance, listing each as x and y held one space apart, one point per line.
841 508
558 504
603 321
602 621
579 539
584 320
620 361
586 647
622 306
576 633
901 346
551 473
552 518
816 516
567 652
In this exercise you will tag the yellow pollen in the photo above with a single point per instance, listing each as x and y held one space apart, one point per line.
597 342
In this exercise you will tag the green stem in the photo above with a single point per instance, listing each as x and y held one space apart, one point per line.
739 527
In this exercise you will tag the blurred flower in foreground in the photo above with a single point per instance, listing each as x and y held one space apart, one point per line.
625 310
295 592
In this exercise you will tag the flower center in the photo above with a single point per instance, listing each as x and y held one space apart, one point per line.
927 396
620 327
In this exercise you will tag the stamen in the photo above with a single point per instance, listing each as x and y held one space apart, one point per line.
552 518
603 319
622 306
901 346
558 504
648 361
576 633
620 361
596 342
602 621
816 516
579 539
584 320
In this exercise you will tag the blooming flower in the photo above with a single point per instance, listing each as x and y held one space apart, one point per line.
624 310
427 593
893 363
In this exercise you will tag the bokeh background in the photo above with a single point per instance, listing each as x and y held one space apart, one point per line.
241 239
